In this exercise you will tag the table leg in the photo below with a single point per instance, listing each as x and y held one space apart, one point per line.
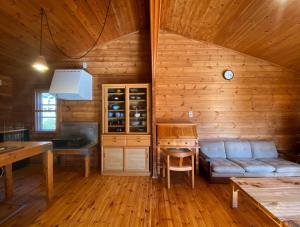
87 162
234 196
48 170
8 181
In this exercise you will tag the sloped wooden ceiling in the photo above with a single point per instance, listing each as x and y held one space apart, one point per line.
74 23
268 29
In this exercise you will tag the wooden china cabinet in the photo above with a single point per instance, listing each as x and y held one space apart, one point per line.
125 129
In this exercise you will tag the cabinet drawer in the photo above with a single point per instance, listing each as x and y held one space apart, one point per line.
138 140
114 140
177 142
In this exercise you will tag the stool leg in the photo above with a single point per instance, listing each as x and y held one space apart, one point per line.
86 166
168 172
168 178
193 172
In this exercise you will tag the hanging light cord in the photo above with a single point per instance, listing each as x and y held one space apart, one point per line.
41 33
43 12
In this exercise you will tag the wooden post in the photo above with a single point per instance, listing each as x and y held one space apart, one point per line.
8 182
87 165
234 196
48 170
155 8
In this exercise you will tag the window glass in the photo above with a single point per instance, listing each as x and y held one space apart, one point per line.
45 111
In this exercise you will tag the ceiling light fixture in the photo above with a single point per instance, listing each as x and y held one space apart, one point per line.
40 63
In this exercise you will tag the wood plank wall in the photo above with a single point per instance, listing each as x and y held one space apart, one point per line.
124 60
261 102
5 99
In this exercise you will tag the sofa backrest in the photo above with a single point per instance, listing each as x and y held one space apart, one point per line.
213 149
238 149
263 149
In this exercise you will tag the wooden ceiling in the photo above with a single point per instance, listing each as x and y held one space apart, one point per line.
268 29
75 25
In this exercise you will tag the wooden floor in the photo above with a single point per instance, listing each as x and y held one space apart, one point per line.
125 201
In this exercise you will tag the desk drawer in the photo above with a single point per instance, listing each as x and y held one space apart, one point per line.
138 140
176 142
114 140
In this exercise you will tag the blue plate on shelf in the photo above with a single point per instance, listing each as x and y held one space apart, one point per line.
110 114
116 107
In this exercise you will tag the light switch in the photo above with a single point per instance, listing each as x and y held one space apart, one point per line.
191 114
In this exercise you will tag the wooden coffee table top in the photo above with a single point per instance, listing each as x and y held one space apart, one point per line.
279 198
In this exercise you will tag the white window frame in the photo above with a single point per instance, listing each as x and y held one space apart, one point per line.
37 110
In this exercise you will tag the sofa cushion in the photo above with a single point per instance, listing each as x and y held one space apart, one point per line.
254 166
213 149
263 149
225 166
283 166
238 149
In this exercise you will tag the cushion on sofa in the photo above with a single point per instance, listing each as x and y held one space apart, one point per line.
263 149
213 149
283 166
225 166
238 149
254 166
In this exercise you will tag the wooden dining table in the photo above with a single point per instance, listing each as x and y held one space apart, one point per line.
13 151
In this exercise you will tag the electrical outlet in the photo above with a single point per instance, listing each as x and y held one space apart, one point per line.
191 114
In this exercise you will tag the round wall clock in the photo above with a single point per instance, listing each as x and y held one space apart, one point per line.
228 74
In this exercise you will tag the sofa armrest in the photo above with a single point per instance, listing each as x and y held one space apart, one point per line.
205 163
202 155
282 154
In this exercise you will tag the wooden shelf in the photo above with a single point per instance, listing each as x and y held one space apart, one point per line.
126 140
113 126
116 110
137 118
141 93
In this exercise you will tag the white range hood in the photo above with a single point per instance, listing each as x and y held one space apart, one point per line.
72 84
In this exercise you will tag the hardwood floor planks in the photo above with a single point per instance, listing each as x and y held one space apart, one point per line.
125 201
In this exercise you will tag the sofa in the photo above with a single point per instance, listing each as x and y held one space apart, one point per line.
221 160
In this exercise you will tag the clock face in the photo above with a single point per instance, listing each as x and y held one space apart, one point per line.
228 74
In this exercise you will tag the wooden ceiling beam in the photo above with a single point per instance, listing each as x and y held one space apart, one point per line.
155 11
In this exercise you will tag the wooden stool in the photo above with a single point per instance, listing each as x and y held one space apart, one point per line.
86 154
178 160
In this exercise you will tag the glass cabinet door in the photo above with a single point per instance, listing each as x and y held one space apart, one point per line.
138 106
116 110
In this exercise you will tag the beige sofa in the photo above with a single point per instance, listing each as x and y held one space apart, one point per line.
221 160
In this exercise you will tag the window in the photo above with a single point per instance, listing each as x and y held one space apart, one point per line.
45 111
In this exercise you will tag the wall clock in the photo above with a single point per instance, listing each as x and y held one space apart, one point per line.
228 74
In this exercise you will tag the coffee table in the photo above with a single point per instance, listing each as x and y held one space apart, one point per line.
278 198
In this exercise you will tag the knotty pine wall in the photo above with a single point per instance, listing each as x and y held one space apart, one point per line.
5 100
124 60
261 102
